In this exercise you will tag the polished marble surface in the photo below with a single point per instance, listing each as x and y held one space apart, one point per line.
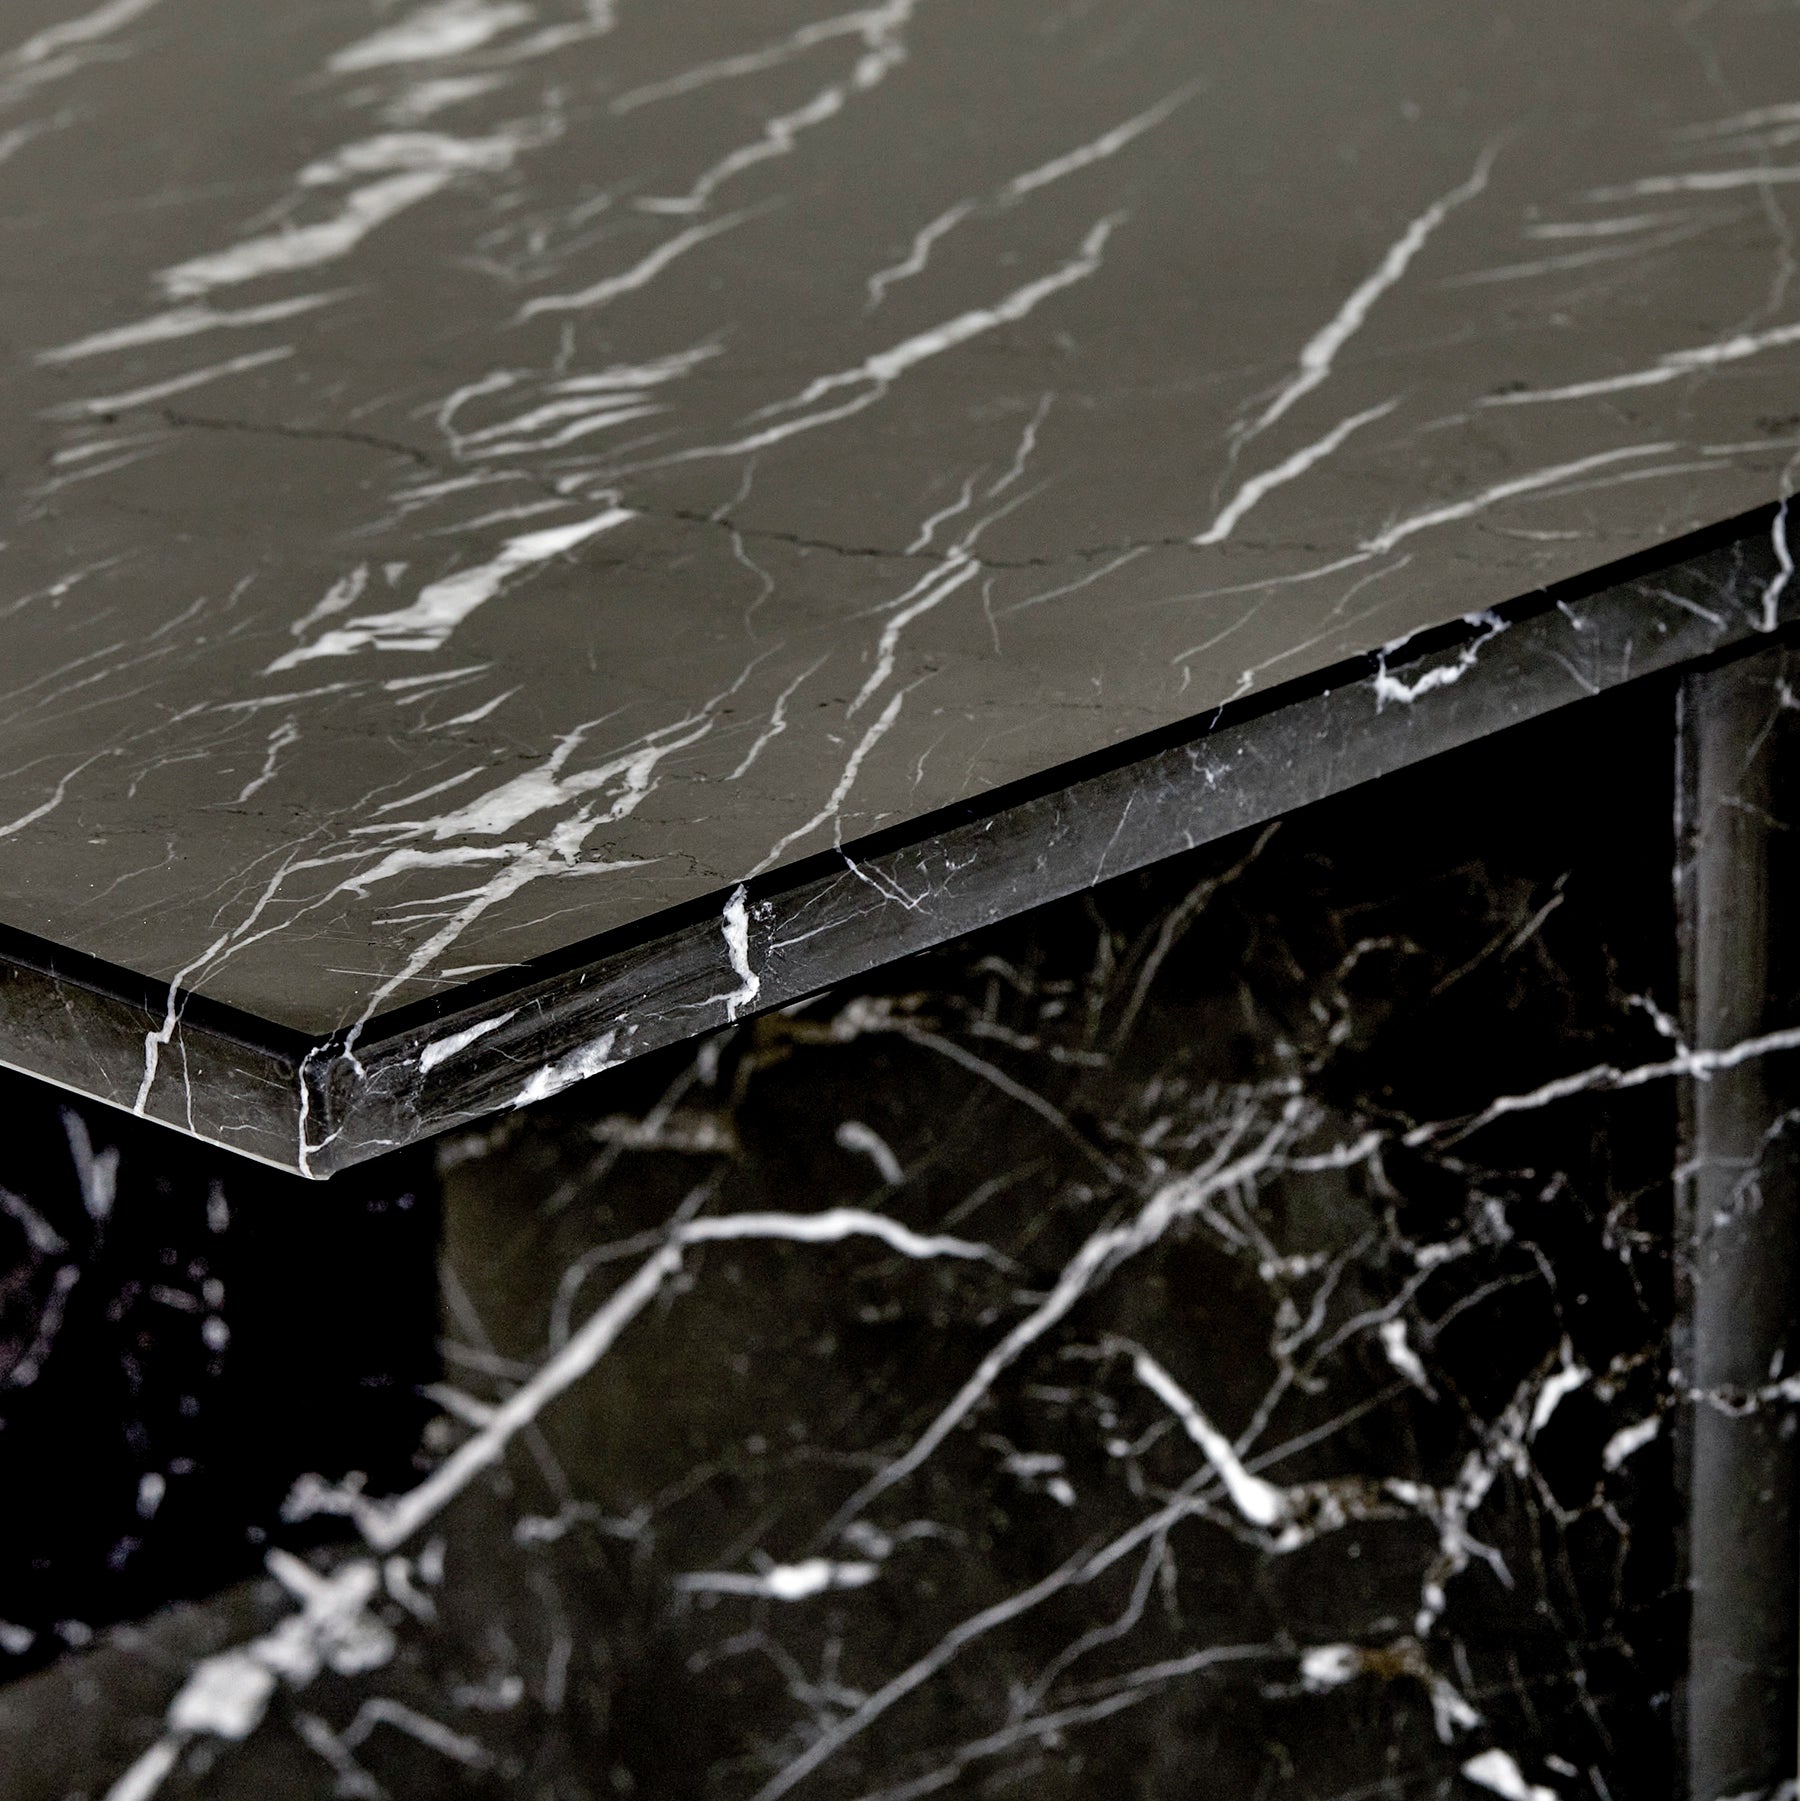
486 474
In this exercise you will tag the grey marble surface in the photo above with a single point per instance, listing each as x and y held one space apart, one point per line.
484 475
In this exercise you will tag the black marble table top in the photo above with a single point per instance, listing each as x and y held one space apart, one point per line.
532 528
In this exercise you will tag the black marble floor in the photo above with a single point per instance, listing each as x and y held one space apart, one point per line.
1225 1334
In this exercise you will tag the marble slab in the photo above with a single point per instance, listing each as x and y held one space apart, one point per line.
499 494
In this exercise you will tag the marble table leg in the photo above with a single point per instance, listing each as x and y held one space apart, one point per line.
1738 882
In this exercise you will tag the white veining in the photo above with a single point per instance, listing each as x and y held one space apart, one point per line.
1321 352
443 605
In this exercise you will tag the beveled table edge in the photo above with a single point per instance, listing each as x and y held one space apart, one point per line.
316 1106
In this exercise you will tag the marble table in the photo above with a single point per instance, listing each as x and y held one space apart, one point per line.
551 537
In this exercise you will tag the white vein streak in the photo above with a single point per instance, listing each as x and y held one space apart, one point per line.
1323 349
1258 486
388 1524
444 605
1385 540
